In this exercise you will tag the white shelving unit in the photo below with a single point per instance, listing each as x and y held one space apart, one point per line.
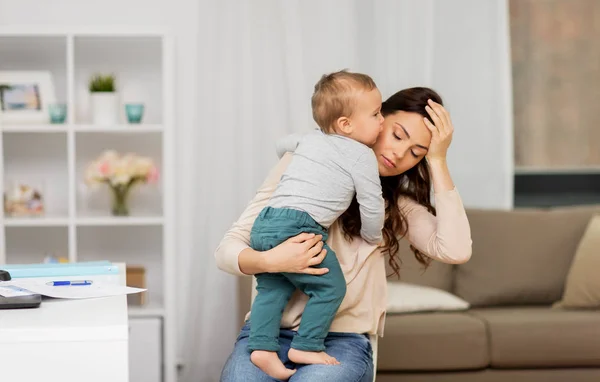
77 223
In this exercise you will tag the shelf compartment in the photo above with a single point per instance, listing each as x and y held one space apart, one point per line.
135 61
145 200
37 53
39 163
132 245
28 245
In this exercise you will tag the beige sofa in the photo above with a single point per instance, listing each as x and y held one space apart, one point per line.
511 332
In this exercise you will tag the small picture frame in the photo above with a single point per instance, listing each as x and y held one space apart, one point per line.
25 96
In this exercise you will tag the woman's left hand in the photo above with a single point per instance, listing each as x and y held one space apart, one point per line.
441 130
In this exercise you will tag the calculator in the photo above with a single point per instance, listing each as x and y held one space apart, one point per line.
18 302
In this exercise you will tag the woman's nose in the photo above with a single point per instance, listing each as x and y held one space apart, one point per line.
400 151
398 155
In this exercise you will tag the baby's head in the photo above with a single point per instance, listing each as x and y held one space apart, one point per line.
348 104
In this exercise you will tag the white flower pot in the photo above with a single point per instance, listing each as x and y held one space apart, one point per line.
105 108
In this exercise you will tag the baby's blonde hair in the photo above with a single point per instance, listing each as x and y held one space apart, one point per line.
334 96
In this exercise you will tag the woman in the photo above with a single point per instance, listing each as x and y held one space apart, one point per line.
416 126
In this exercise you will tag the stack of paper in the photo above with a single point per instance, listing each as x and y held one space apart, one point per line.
28 279
32 286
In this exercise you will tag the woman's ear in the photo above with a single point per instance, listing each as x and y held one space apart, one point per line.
344 125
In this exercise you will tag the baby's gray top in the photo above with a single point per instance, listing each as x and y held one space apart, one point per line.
323 176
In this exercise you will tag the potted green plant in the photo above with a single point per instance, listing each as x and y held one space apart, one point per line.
3 88
104 99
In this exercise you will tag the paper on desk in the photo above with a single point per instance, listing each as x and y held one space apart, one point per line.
97 289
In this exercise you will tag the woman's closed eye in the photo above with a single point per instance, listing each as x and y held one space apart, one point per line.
411 152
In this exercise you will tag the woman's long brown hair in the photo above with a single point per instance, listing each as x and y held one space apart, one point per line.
414 184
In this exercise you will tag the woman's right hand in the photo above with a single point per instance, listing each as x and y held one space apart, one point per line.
297 254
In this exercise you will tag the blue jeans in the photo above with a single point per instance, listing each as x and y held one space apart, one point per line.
352 350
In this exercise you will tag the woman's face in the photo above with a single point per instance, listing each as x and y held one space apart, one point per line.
402 143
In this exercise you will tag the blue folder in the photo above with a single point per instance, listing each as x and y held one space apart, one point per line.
61 269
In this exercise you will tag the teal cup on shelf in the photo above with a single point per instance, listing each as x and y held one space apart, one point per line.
135 112
58 112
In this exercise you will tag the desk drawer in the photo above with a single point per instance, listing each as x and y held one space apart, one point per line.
145 349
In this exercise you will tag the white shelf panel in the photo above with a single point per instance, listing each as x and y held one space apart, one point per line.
82 30
23 128
42 221
119 221
125 128
63 128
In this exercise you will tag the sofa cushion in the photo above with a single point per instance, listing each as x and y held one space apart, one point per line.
437 275
410 298
520 257
433 341
531 337
582 289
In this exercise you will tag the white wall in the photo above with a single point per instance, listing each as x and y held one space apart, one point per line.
461 49
475 80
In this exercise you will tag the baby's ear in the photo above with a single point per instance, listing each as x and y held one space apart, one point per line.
344 125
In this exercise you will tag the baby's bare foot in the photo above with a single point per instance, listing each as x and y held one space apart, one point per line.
311 357
270 363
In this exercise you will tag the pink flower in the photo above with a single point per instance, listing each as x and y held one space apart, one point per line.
152 175
104 168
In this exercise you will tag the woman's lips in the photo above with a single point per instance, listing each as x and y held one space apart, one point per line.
388 163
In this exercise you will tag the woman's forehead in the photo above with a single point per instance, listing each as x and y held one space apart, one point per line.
412 124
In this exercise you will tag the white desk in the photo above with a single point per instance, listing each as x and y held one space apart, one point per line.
67 340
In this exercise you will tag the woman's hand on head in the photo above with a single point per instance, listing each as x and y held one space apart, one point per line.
441 130
297 254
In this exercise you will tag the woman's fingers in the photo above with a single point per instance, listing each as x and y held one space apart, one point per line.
437 122
314 249
431 127
318 259
442 114
316 271
311 243
302 237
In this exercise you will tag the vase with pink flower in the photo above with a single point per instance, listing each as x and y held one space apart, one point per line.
121 173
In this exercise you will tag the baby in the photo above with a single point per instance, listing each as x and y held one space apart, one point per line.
328 168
